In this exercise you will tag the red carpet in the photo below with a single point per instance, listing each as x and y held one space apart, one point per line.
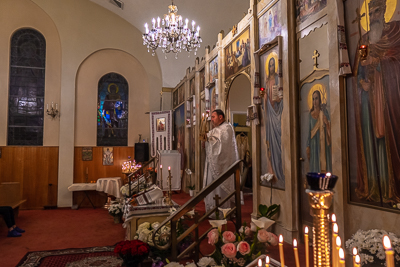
96 256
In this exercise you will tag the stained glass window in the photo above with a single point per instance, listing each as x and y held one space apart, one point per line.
27 80
112 111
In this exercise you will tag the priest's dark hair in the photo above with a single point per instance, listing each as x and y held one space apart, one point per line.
219 113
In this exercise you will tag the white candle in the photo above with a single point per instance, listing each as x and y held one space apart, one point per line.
281 250
389 251
357 261
52 105
341 256
306 246
259 262
169 168
296 253
338 248
335 231
355 252
56 106
267 261
160 166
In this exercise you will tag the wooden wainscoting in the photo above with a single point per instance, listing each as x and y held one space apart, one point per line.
36 169
96 170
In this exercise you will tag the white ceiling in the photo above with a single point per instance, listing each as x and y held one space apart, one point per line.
211 15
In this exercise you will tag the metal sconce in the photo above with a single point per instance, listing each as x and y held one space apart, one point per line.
52 112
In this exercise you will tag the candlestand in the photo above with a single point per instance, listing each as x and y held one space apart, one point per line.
168 199
320 202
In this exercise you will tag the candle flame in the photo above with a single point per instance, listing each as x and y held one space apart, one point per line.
259 262
280 239
355 252
335 228
328 174
333 218
386 242
357 259
295 243
306 230
160 166
338 241
341 253
267 260
169 168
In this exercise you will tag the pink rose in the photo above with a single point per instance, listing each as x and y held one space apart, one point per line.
263 235
243 247
229 250
228 237
213 236
273 239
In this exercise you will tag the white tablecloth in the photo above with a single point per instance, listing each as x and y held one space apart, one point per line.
110 186
82 187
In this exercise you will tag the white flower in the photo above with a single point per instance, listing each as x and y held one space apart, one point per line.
190 213
206 261
225 211
155 225
217 223
253 227
172 210
174 264
263 222
144 235
144 225
190 264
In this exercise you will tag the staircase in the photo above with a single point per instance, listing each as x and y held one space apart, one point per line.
173 240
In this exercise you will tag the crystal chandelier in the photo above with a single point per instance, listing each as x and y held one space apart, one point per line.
172 34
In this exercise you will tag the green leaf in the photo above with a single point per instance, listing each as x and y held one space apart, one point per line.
263 209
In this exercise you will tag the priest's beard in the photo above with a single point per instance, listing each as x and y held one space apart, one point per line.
375 34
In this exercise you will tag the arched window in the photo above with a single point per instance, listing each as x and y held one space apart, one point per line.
26 95
112 111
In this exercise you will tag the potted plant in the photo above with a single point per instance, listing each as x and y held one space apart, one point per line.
115 210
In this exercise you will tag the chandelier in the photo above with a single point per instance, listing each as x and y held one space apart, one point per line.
172 34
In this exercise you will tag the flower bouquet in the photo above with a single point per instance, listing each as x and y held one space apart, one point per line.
369 246
239 249
132 252
115 210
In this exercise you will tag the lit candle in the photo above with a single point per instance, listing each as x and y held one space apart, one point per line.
193 23
337 251
306 245
267 261
357 261
281 250
355 252
186 23
158 22
389 251
160 166
146 27
296 253
259 262
153 21
335 231
169 168
333 218
341 256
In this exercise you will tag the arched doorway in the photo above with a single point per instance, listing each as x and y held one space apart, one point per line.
238 100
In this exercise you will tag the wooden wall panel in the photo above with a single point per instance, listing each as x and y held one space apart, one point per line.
96 170
36 168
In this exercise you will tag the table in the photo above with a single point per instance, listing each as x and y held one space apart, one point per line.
85 187
110 186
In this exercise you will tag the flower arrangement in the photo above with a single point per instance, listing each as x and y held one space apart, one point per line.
239 249
115 209
369 245
132 252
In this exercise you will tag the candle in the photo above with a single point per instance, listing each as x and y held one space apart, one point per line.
306 246
296 253
281 250
355 252
52 105
160 166
341 256
169 168
357 261
267 261
259 262
333 218
335 231
338 248
56 106
389 251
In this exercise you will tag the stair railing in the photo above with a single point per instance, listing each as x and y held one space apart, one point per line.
173 240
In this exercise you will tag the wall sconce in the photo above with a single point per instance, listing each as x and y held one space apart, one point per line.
363 51
262 91
53 112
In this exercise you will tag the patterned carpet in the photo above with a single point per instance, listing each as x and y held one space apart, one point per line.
73 257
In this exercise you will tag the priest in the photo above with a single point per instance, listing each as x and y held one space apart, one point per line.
221 152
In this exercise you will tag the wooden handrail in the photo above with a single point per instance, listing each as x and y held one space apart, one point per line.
188 206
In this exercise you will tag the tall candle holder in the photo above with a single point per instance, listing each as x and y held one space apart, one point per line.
320 197
161 180
168 199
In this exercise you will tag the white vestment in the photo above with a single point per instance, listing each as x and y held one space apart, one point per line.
221 152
